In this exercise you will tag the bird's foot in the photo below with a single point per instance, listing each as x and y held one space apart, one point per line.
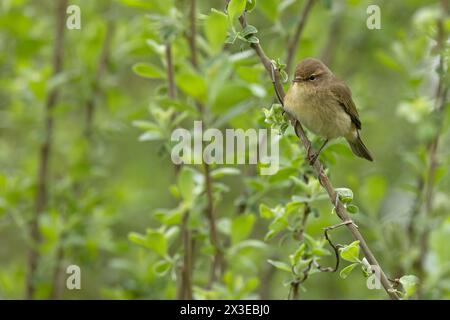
312 156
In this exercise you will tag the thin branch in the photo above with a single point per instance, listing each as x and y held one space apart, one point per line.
101 67
193 33
45 152
185 291
218 260
295 39
170 74
318 167
427 189
334 32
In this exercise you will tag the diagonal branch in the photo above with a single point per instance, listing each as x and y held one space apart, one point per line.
318 168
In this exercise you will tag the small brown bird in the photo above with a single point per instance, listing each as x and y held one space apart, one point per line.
323 103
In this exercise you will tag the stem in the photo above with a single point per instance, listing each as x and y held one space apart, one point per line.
101 67
218 260
185 291
45 152
193 33
57 280
170 73
427 188
295 39
334 32
323 179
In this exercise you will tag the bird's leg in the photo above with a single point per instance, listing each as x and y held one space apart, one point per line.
312 156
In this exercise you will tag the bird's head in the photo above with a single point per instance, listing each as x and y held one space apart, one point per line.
311 72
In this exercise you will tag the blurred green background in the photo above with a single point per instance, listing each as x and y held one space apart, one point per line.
106 187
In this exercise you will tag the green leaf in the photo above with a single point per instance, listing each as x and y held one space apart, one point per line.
161 267
350 252
192 84
253 39
241 227
148 70
154 240
220 172
265 212
409 283
230 94
351 208
235 9
345 195
347 270
248 30
269 8
186 184
280 265
250 5
216 27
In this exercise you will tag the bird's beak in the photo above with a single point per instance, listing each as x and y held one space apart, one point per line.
297 79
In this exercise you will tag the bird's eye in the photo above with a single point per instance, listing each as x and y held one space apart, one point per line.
312 77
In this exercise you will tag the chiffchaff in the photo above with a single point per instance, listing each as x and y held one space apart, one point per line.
323 103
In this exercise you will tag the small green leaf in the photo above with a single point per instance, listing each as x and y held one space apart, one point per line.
347 270
192 84
235 9
265 212
350 252
409 283
345 195
216 27
241 227
253 39
248 30
220 172
148 70
161 267
154 240
250 5
351 208
186 184
280 265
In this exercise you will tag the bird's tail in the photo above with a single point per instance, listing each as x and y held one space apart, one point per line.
359 149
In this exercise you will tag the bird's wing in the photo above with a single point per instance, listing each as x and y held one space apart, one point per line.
343 95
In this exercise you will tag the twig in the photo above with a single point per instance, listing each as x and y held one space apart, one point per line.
323 179
45 152
218 260
101 67
427 188
328 52
193 32
185 291
170 74
295 39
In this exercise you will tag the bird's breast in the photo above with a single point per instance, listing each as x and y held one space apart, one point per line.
318 111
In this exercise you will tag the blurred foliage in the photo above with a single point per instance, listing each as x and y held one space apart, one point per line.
116 200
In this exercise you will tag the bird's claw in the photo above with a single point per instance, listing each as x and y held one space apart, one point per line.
312 156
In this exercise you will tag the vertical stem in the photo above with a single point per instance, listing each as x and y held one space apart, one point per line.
218 260
295 39
170 73
101 67
193 33
185 290
42 186
428 186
